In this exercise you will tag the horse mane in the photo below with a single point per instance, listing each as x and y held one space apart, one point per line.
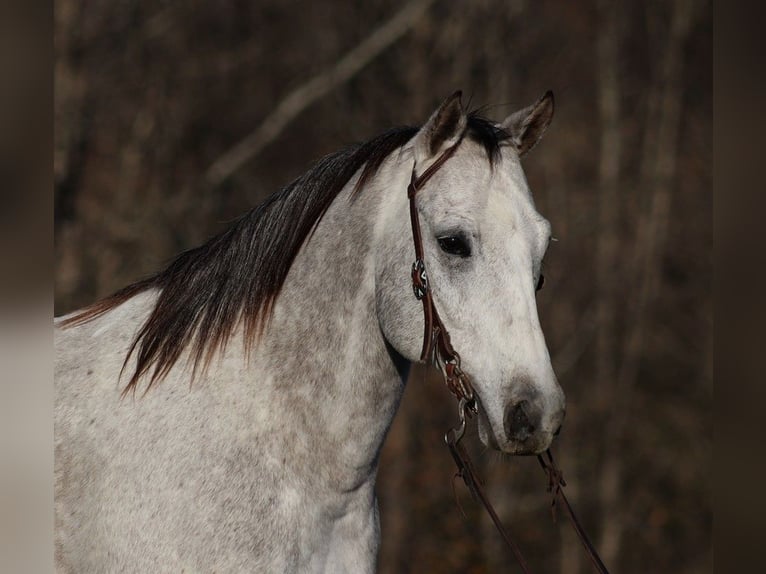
238 274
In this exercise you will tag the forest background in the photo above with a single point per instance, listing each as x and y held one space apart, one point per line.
172 118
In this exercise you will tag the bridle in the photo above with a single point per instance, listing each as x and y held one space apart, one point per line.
438 351
437 348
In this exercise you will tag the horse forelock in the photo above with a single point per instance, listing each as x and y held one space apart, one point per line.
237 275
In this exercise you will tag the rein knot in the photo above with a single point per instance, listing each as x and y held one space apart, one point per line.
555 480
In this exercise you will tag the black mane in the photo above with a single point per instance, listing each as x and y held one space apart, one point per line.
238 274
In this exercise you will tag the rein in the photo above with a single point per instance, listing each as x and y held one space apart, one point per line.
438 351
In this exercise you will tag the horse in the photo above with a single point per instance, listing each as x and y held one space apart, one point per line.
228 413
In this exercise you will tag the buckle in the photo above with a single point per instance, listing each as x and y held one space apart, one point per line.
419 279
459 384
465 408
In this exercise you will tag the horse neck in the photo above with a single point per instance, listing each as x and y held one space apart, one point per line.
337 377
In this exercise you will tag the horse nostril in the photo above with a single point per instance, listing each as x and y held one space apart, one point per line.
558 430
517 422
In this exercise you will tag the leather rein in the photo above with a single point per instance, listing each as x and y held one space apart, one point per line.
438 351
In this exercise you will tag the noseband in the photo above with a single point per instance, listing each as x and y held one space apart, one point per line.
439 352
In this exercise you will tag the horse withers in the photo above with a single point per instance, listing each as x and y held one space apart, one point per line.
227 414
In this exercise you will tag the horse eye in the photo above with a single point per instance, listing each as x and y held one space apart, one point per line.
540 282
455 245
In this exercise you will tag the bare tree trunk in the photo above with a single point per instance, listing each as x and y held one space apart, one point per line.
608 51
608 47
395 493
658 175
570 556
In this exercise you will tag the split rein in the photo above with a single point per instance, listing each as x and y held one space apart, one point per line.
438 351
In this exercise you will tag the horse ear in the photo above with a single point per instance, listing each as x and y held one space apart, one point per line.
527 126
443 129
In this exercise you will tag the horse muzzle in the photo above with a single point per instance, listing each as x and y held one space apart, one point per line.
529 424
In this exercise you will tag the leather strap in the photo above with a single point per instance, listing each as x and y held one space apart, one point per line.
437 347
466 471
419 276
555 487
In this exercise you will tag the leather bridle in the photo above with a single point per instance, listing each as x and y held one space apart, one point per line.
438 351
437 348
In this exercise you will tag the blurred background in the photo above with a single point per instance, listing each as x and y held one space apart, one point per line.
172 118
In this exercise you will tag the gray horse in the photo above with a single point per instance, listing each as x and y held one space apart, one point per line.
228 413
